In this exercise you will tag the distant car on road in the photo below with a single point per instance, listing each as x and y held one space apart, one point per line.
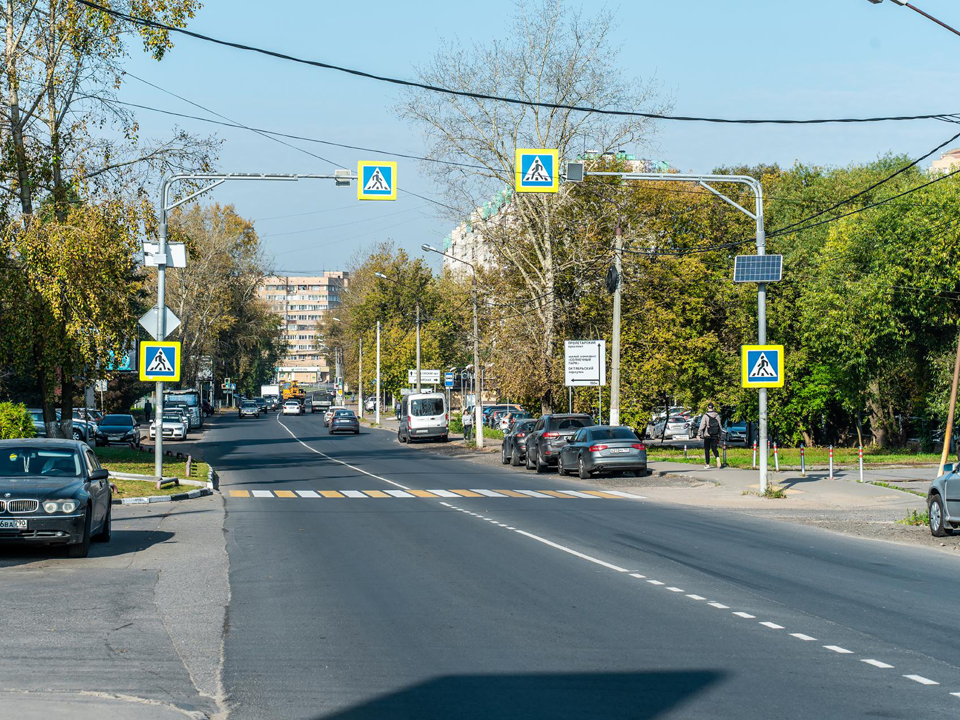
55 492
549 435
292 407
174 426
328 415
248 408
308 405
344 420
118 430
262 404
423 416
603 449
513 449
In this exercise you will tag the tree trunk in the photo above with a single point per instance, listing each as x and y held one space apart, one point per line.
878 421
24 189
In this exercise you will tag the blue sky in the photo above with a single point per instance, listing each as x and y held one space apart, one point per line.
731 58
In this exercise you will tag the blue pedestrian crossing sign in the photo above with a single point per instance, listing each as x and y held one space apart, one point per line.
376 180
448 379
159 361
536 170
762 366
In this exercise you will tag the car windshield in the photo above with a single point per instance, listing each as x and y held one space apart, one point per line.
572 423
33 461
524 426
118 420
249 403
290 403
617 433
426 406
344 413
170 417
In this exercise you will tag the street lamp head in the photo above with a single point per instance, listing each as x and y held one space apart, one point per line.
336 319
381 276
429 248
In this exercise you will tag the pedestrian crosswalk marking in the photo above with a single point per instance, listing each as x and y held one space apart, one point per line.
473 493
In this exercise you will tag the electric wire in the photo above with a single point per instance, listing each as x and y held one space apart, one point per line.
145 22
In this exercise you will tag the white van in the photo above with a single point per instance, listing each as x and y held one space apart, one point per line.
423 415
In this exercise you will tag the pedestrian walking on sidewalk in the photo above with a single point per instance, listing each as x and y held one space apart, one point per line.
710 431
467 420
147 410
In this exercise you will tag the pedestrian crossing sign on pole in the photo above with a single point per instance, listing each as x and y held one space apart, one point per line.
537 170
376 180
762 366
160 361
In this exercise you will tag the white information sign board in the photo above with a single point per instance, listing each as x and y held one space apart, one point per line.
585 363
427 377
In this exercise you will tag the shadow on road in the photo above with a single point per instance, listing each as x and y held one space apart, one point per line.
123 542
574 696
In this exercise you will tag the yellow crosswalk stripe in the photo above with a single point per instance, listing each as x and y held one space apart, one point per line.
284 493
331 494
466 493
376 493
239 493
557 494
512 493
421 493
599 493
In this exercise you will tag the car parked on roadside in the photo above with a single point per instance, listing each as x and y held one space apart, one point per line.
344 420
508 419
83 429
119 429
735 433
248 408
53 492
677 428
549 435
602 449
292 407
943 502
513 449
181 413
174 426
370 404
489 410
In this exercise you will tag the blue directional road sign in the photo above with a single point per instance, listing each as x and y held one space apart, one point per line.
376 180
160 361
536 170
448 379
762 366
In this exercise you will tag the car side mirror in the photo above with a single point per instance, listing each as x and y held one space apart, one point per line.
948 468
100 474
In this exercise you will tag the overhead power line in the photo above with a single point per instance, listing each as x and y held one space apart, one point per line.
144 22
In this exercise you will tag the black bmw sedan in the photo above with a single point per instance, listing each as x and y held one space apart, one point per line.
118 430
53 492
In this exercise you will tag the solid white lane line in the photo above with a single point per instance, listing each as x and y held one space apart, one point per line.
398 493
772 626
956 694
675 589
838 649
307 493
801 636
354 494
623 494
341 462
654 582
877 663
696 597
572 552
443 493
719 606
488 493
534 493
261 493
742 614
637 575
921 679
585 496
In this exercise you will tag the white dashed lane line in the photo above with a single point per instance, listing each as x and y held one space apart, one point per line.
879 664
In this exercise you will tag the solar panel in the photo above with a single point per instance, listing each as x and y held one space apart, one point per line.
758 268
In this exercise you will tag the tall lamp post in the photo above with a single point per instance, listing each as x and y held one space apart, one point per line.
478 417
397 282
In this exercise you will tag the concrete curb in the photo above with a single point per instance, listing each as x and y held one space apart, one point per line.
199 492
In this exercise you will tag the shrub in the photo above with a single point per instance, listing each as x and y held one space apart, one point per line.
456 423
15 422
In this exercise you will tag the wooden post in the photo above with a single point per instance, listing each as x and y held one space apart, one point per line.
948 433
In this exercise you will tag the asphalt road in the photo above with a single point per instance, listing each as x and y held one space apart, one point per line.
353 598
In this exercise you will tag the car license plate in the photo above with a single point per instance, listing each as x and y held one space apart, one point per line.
620 450
18 524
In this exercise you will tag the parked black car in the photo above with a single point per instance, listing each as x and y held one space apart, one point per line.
118 430
603 449
344 421
514 450
549 436
54 492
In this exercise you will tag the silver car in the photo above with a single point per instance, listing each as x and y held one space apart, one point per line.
943 502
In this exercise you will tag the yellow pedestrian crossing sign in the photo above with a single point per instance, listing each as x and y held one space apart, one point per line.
160 361
536 170
376 180
762 366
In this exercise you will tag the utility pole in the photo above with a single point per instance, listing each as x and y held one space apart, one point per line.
378 373
948 431
360 379
615 360
418 347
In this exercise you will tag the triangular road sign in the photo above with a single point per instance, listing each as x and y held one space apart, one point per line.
537 172
377 182
160 364
762 368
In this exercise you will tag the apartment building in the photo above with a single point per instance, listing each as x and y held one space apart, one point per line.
301 300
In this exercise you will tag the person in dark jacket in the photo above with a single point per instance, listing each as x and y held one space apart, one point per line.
148 410
711 431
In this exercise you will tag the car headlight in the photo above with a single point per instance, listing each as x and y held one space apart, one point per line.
68 506
65 506
50 507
